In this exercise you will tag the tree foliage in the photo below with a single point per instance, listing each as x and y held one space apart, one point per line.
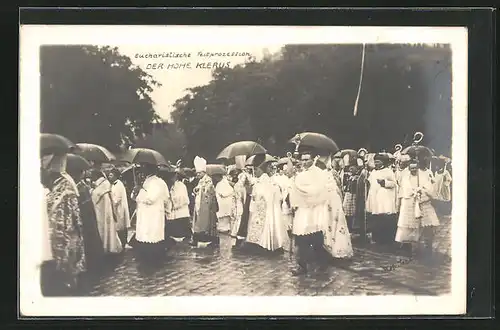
95 95
406 88
165 138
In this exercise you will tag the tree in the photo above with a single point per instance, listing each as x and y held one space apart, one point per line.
313 88
165 138
95 95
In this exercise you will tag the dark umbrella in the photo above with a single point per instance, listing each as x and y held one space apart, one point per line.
214 169
343 152
417 151
315 140
55 143
267 158
76 163
241 148
94 153
143 155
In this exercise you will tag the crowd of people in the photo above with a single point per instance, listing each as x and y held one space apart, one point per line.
306 204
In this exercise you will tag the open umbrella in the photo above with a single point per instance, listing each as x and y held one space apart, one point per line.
267 158
55 143
143 155
343 152
417 151
76 163
241 148
214 169
315 140
94 153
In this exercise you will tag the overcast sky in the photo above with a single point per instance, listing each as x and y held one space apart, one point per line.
176 81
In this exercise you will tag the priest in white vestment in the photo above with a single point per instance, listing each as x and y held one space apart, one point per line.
225 199
381 201
120 204
319 223
153 199
265 226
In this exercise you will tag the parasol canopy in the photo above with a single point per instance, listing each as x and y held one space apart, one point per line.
94 153
267 158
282 161
417 151
241 148
143 155
55 143
76 163
214 169
348 156
315 140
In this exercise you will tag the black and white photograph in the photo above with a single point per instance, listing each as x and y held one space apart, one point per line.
184 170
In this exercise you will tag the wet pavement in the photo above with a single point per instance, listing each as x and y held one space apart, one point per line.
374 270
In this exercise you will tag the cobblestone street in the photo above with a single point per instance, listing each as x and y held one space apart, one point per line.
373 270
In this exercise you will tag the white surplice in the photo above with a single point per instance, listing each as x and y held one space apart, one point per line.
151 200
104 211
120 204
382 200
319 208
265 226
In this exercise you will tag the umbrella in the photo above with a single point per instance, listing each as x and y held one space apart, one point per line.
241 148
77 163
267 158
94 153
315 140
389 156
417 151
53 143
167 168
283 161
348 156
143 155
343 152
214 169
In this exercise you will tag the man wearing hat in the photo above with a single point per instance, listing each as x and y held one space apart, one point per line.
205 208
309 198
381 201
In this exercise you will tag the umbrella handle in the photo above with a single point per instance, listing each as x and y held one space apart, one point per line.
133 174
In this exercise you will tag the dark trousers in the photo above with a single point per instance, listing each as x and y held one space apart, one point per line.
122 234
310 249
383 227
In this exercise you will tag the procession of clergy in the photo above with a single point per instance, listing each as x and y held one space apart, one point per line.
304 204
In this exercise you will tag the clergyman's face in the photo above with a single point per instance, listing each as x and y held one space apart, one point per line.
258 172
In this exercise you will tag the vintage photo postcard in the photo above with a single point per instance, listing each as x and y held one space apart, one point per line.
242 171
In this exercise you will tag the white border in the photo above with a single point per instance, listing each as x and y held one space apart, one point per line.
33 304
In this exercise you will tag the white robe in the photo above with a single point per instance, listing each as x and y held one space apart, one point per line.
151 200
101 198
225 193
309 194
265 226
120 204
180 202
382 200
